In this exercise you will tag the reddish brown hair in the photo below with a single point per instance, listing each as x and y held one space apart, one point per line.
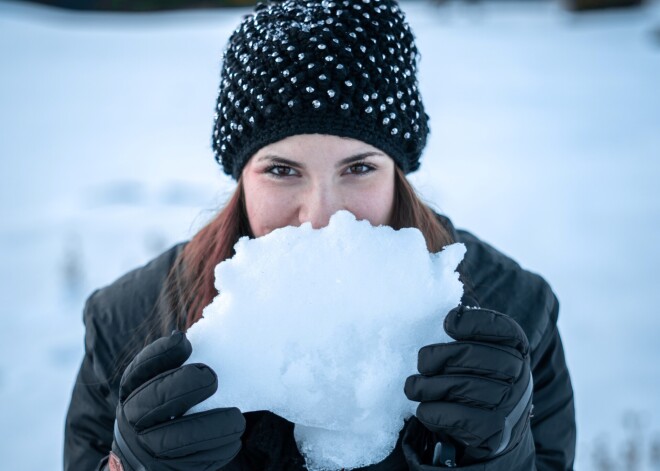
410 211
190 284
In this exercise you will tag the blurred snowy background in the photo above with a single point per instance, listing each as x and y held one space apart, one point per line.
545 142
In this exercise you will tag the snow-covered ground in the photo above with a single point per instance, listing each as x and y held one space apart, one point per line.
545 142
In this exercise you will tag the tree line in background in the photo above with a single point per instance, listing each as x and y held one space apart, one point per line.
142 5
156 5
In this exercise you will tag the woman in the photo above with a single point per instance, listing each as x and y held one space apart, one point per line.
319 111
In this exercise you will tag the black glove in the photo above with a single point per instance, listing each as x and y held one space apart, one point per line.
151 432
475 393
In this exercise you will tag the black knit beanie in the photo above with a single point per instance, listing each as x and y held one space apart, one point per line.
345 68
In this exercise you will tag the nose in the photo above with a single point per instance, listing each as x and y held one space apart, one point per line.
318 204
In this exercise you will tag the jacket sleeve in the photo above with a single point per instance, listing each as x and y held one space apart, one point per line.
117 318
553 419
91 414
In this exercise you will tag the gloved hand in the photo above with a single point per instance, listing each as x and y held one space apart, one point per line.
151 432
475 393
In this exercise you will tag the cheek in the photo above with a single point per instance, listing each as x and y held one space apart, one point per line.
374 204
267 210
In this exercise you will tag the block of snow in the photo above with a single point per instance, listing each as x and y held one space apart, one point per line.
322 327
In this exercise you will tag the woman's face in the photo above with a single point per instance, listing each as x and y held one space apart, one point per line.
309 177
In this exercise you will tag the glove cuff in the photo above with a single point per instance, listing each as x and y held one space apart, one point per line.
125 455
518 416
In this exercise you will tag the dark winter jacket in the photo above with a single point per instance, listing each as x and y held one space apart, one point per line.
113 315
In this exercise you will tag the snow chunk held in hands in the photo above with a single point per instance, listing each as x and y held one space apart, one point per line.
322 327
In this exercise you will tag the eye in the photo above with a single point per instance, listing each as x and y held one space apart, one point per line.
281 171
360 168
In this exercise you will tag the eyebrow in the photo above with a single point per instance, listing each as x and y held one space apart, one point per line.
291 163
358 157
276 159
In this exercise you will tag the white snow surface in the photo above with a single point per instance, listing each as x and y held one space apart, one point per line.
322 327
544 143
